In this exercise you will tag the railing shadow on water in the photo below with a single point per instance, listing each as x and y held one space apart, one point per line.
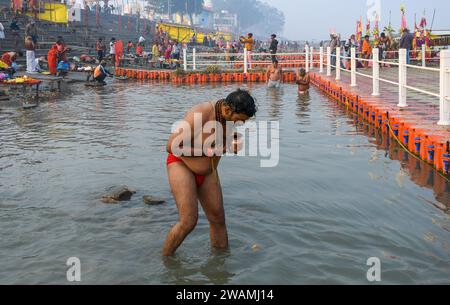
419 172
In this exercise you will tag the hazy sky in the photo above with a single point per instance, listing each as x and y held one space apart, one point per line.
313 19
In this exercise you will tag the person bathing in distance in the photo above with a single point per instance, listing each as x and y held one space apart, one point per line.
303 81
274 75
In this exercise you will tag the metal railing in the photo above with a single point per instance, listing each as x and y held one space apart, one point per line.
246 60
432 82
437 80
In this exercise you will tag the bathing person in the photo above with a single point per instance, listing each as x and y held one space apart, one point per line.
303 81
194 179
274 75
100 73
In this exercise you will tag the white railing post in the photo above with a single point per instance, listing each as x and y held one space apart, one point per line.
321 60
328 61
194 59
306 59
311 62
402 78
338 63
353 67
376 72
424 55
245 61
184 59
444 106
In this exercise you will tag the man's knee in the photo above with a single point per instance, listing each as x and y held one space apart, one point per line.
188 224
217 218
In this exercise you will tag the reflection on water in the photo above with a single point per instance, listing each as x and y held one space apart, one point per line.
275 100
417 170
212 271
341 193
303 103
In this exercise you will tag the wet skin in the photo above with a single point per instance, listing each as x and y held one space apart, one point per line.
185 190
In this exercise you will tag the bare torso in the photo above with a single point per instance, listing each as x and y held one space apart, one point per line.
303 83
274 74
201 165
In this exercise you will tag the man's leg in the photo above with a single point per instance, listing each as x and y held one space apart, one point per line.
184 189
100 78
210 195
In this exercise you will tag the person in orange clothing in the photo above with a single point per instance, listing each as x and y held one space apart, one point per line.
100 73
366 50
248 42
130 46
140 50
52 58
56 54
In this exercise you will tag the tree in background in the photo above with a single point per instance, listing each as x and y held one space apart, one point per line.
254 15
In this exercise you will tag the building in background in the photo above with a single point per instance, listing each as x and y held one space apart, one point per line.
225 21
206 18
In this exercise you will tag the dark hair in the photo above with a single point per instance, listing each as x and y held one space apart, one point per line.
367 36
274 36
240 101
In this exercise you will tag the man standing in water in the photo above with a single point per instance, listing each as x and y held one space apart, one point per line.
194 179
274 75
303 81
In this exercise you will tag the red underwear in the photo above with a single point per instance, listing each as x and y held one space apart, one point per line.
199 179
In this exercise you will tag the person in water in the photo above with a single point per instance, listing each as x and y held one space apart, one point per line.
100 73
303 81
194 179
274 75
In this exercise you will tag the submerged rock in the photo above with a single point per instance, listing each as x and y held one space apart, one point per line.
152 201
118 194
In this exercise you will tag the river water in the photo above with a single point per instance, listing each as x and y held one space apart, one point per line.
337 198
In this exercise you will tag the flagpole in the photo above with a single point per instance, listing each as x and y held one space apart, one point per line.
432 22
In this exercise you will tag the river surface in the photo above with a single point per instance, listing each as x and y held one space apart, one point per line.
336 198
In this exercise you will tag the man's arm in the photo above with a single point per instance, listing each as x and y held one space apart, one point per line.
186 131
